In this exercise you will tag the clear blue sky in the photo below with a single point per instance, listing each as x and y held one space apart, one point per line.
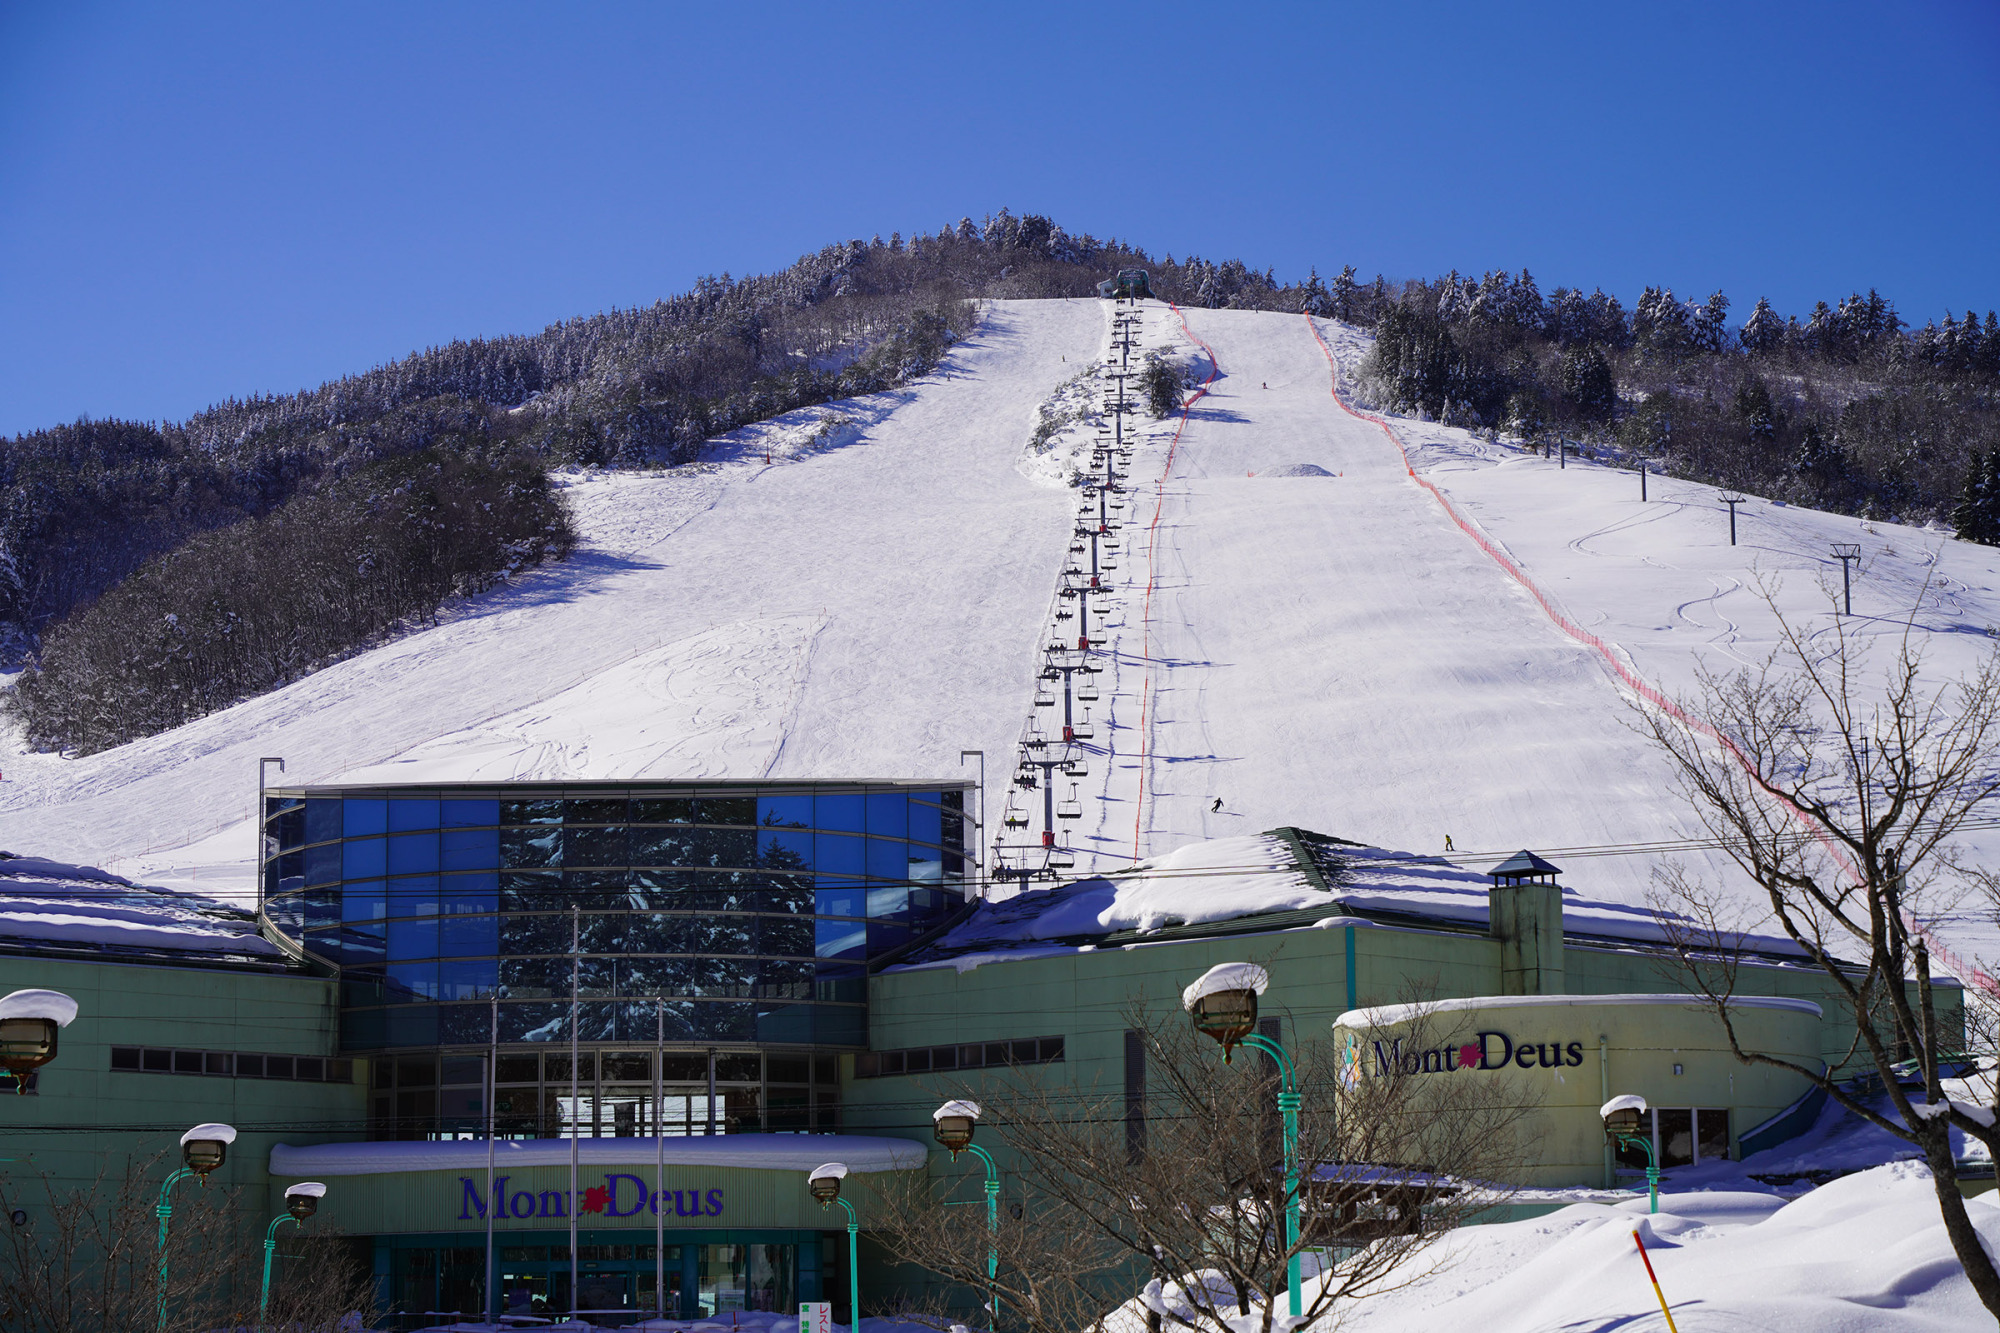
203 200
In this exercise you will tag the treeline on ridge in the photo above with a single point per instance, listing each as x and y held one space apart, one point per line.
1848 410
237 611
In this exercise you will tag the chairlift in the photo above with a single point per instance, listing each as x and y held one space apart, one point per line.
1082 730
1086 689
1071 808
1014 818
1061 858
1045 699
1075 767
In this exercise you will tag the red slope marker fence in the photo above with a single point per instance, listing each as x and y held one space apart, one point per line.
1617 665
1152 576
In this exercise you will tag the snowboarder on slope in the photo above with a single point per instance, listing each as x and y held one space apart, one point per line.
1217 806
1447 843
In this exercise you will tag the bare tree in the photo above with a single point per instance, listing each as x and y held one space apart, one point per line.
1181 1200
1842 791
87 1260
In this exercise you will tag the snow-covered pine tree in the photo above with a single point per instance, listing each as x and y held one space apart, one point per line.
1347 296
1763 331
1976 517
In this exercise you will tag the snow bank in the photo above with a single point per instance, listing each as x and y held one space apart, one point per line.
52 903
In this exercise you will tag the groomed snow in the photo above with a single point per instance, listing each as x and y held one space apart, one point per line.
761 1152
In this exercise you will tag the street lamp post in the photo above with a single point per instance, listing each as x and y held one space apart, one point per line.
203 1149
30 1021
825 1185
1622 1117
301 1202
952 1125
1223 1003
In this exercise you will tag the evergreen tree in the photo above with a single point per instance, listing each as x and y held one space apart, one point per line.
1586 384
1763 331
1756 411
1347 296
1820 460
1976 518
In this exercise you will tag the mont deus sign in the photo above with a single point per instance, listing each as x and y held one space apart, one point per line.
1487 1050
620 1195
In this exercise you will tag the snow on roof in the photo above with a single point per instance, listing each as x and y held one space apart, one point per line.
1387 1015
762 1152
48 904
1229 879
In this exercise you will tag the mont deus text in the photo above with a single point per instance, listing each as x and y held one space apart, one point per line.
1486 1050
611 1199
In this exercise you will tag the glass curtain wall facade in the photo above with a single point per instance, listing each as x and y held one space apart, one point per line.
692 915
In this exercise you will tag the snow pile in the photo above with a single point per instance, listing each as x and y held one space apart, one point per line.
50 904
1295 470
1218 880
1864 1252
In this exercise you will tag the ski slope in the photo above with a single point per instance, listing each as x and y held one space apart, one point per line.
1296 628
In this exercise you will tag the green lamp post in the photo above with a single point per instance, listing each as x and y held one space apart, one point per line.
30 1021
1622 1117
952 1125
203 1149
825 1185
301 1202
1223 1003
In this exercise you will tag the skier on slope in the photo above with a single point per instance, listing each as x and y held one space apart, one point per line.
1217 806
1447 843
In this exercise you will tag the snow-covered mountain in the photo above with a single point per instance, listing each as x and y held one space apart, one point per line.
1298 629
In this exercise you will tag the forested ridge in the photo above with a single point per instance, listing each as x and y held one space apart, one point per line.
114 535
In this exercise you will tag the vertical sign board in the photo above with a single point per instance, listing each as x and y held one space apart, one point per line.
815 1317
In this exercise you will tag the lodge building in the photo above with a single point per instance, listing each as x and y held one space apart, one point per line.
576 1045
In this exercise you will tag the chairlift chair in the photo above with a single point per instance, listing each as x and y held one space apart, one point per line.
1071 808
1045 699
1075 767
1086 689
1014 818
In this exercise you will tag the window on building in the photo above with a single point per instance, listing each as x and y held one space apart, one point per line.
977 1055
231 1064
1681 1136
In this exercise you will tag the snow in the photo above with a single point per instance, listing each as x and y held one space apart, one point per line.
209 1133
1226 977
970 1110
50 1004
311 1188
46 903
1325 652
1630 1101
830 1171
1867 1252
1385 1015
761 1152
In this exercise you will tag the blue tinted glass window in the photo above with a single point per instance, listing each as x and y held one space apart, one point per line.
836 855
785 851
785 811
530 847
888 860
844 900
888 901
534 934
361 900
322 820
788 936
415 896
594 846
470 893
844 813
322 863
363 944
884 935
413 939
468 814
840 939
888 814
364 858
929 871
363 817
471 849
407 815
531 812
413 853
468 979
467 936
413 980
926 823
322 907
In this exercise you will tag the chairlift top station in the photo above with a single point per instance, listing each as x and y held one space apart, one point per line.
1131 284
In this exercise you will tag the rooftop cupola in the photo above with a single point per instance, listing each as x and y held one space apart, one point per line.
1524 910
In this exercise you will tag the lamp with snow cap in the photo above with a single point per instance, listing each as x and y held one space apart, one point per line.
1623 1115
824 1182
203 1149
301 1202
1223 1003
952 1125
30 1022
